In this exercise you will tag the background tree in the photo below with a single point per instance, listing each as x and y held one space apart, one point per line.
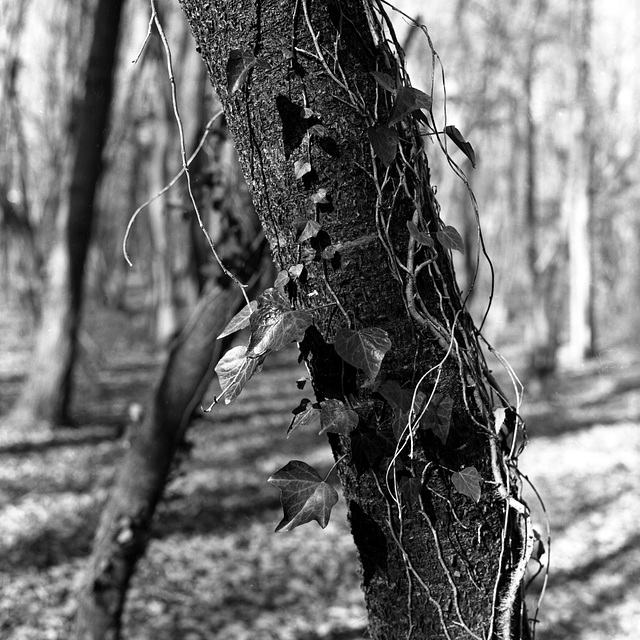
334 158
579 193
124 528
45 398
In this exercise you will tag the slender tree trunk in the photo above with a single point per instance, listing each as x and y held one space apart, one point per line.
435 563
123 532
542 336
46 393
578 199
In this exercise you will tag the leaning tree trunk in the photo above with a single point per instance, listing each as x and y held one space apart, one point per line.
366 250
123 532
45 397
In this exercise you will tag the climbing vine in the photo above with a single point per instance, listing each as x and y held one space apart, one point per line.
346 365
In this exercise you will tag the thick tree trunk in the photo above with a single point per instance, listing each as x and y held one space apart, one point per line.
46 393
435 563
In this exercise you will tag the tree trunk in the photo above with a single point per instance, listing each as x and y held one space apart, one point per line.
44 401
123 532
542 333
435 563
578 199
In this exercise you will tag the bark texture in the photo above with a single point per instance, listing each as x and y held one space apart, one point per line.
46 393
294 77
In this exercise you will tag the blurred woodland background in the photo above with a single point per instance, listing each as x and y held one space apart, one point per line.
546 91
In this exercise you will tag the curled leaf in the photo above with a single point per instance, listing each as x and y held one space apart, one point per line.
461 143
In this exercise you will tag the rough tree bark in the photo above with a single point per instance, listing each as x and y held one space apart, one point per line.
123 532
46 393
294 78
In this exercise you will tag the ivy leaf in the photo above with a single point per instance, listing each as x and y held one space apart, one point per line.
368 447
282 280
240 320
363 349
304 495
318 130
410 489
275 324
384 80
419 236
306 413
296 270
467 482
438 416
461 143
301 168
239 66
311 229
336 417
234 370
395 395
407 101
384 141
320 196
328 253
401 401
450 239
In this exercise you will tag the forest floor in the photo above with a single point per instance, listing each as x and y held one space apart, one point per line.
215 569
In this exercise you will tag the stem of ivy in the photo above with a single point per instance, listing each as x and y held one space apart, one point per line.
335 464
